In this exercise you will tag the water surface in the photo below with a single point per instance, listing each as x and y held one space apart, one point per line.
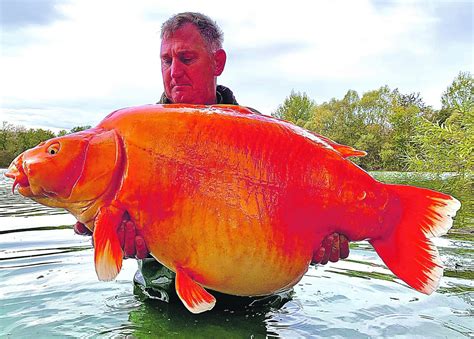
48 288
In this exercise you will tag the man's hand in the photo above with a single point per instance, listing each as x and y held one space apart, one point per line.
81 229
334 247
133 244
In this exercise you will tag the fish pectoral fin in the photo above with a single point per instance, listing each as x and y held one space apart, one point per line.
194 296
108 254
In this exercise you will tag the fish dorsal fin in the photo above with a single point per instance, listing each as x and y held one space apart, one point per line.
348 151
345 151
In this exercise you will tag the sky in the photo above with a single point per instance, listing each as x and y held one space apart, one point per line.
66 63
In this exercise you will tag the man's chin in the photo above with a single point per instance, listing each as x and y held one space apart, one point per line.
187 96
181 98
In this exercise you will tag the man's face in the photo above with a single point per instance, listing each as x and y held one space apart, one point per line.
188 68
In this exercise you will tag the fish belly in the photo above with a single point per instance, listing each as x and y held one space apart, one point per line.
240 251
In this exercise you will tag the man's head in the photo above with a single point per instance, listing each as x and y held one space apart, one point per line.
191 58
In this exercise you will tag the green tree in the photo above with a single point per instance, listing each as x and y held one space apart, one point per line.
374 109
296 108
32 137
7 144
448 146
338 119
322 120
457 98
79 128
16 139
403 120
404 114
380 122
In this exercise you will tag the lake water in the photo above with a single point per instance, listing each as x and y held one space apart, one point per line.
48 288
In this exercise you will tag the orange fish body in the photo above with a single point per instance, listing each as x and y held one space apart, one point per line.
230 200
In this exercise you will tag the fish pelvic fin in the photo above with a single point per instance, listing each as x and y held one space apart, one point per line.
108 254
407 250
194 296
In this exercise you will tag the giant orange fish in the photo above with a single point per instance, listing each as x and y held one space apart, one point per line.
230 200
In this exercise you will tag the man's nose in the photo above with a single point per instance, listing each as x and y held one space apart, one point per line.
177 69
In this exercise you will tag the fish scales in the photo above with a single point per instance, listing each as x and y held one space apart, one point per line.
206 154
230 200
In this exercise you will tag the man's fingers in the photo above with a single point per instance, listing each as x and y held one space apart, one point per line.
343 247
334 255
325 259
334 247
129 240
121 234
318 256
142 250
327 244
81 229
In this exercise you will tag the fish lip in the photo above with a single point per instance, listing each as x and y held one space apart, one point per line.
17 173
9 175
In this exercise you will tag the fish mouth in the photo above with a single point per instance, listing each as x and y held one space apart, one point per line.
17 173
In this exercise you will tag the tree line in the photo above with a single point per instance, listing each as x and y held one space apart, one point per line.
399 131
17 139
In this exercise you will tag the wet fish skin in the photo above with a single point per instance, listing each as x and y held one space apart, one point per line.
230 200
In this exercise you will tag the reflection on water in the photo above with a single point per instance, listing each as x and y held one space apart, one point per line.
48 287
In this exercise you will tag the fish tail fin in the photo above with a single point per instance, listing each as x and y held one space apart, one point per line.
407 249
108 254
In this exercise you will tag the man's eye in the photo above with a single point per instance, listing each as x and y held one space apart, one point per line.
187 60
166 61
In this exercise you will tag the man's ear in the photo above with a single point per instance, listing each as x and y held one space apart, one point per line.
220 58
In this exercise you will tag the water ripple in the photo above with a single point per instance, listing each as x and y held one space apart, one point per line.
122 302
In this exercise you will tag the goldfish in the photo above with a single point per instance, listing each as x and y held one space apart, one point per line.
230 200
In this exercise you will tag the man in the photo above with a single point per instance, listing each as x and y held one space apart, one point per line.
191 60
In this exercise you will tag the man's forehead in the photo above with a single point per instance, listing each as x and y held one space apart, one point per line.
182 47
178 48
186 37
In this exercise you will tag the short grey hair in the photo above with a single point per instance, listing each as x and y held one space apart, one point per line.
210 32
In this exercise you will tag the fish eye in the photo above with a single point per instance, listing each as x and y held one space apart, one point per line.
53 148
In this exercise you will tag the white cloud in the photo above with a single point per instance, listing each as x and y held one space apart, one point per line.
92 54
103 55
